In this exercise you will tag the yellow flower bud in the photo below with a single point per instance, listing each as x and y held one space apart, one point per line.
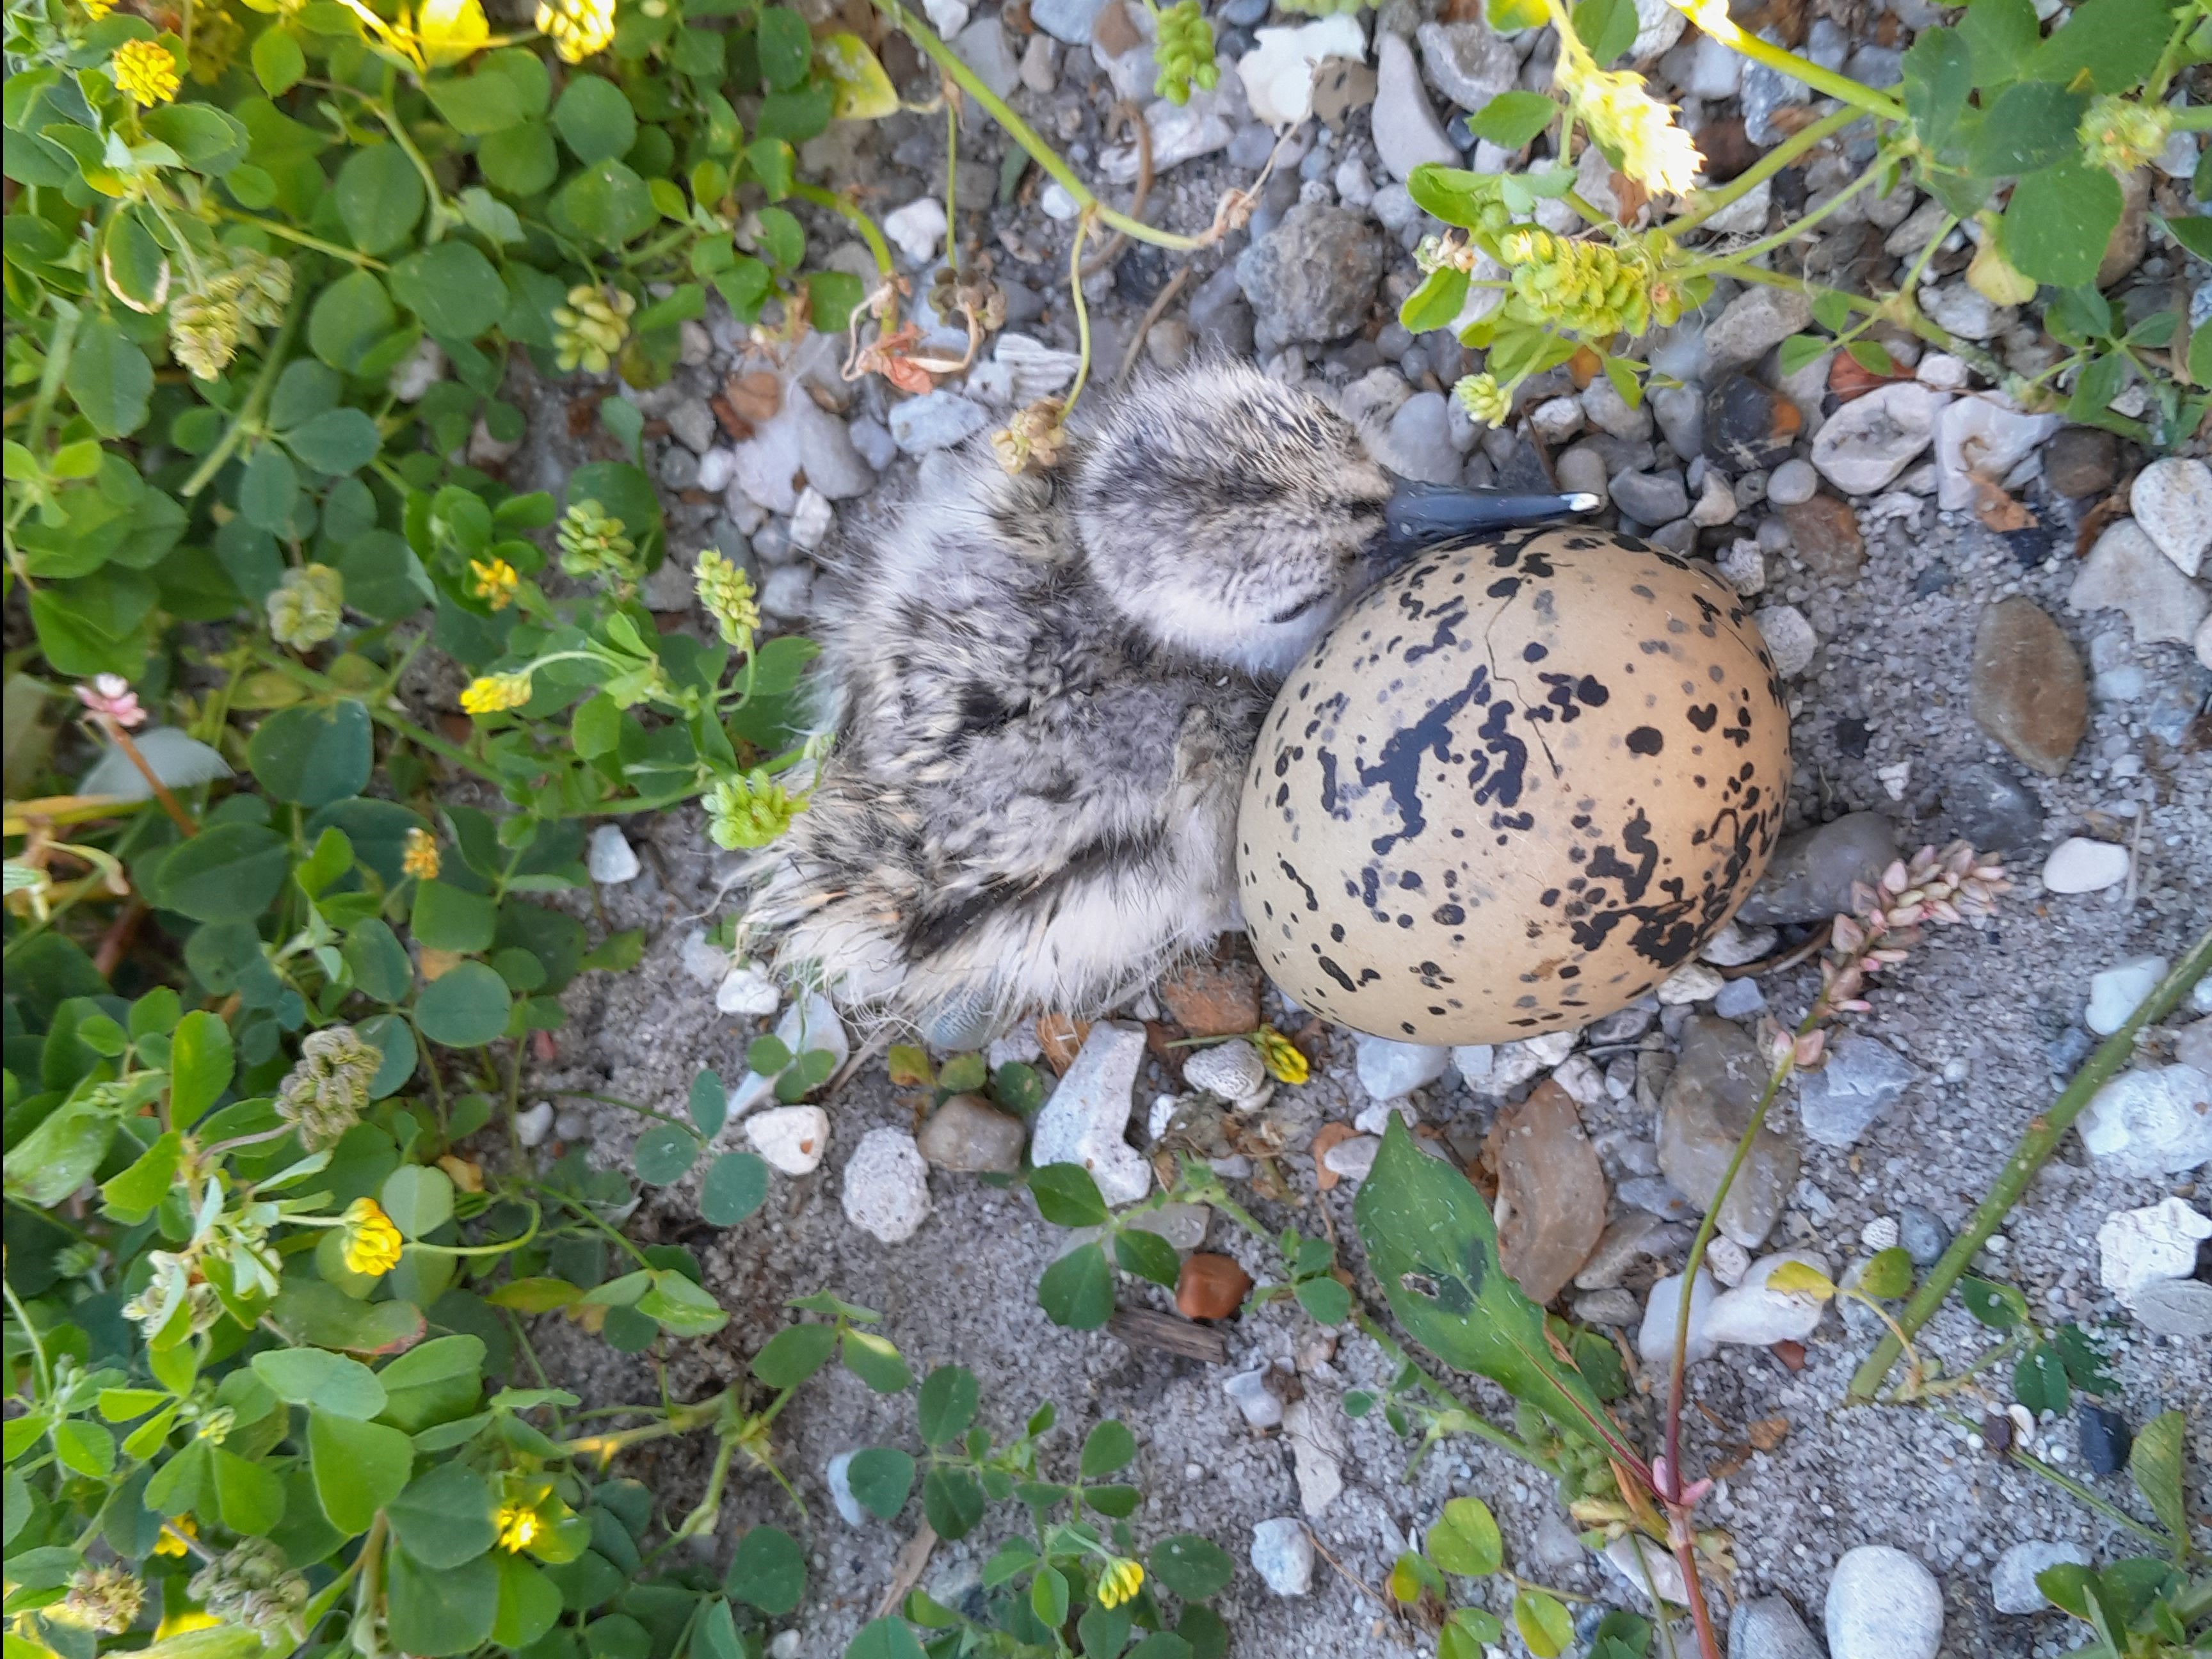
146 70
369 1244
493 694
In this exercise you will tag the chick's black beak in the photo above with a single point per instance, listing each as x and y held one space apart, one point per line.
1420 514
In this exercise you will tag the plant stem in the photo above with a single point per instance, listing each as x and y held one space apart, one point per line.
850 212
1788 234
1026 136
1713 17
1463 1415
1082 315
2033 1151
1710 202
304 240
113 730
249 412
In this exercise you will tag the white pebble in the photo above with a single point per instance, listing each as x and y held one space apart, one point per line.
610 857
1789 639
2136 1248
703 960
1655 1339
1261 1407
887 1186
916 228
533 1125
2078 865
2012 1588
1087 1118
1883 1604
2118 992
839 1475
811 519
791 1138
1283 1555
746 990
1756 1316
1692 981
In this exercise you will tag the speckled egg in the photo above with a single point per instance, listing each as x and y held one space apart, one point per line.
1516 786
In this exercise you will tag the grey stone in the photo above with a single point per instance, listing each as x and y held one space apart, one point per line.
1923 1235
937 420
968 1134
1067 21
1680 412
1313 277
1418 444
1407 131
1283 1555
1883 1604
1810 876
2012 1588
1708 1104
2176 1307
1085 1120
1390 1070
1768 1627
1863 1077
1869 441
2153 1120
1582 468
1466 63
1754 322
982 46
2126 572
1650 498
1793 482
610 857
887 1186
1991 808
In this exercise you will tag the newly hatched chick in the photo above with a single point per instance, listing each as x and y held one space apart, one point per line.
1046 690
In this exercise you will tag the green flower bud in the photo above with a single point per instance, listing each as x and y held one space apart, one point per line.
751 809
324 1095
305 608
594 548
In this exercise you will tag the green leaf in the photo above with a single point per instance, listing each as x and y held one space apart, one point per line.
2031 125
735 1185
1193 1567
464 1007
664 1153
250 1497
708 1103
2000 1307
1511 120
337 441
278 61
861 91
884 1639
947 1405
767 1571
2059 220
1470 1629
607 202
378 962
682 1307
418 1199
2000 35
595 120
477 105
110 378
200 1065
530 1605
446 1516
1437 302
329 1382
793 1354
1048 1597
1544 1623
881 1477
1939 73
1889 1274
349 317
86 1448
875 1361
450 918
227 872
952 1502
1433 1246
1066 1195
434 1611
1509 15
432 1381
313 754
1147 1256
1323 1297
1799 351
2194 233
1108 1447
452 288
1465 1540
359 1467
2115 43
268 491
2039 1380
1607 28
786 45
378 195
310 1311
1078 1290
520 161
2157 1465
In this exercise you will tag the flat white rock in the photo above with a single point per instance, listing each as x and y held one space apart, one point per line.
2137 1248
1278 72
1260 1407
887 1186
610 857
2172 500
2078 865
2126 572
1756 1316
1283 1555
705 960
746 990
2012 1582
1406 130
916 229
1644 1566
1388 1071
1316 1453
2153 1120
838 1473
1228 1071
1986 436
2118 992
1654 1339
1870 440
791 1138
1883 1604
1087 1118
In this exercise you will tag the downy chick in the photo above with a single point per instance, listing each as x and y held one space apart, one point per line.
1046 689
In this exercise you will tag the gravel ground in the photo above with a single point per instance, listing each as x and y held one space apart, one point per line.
1990 1018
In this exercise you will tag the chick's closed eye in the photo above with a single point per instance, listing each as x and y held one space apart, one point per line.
1298 608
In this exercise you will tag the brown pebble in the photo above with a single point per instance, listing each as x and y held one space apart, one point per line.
1791 1354
1211 1286
1726 148
1996 1432
2029 691
757 397
1826 533
1218 997
1061 1036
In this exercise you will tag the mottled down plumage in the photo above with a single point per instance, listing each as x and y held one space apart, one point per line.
1045 691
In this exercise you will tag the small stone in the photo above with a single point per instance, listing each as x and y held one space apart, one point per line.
746 990
2136 1248
1991 808
1353 1158
610 857
1391 1071
1261 1407
1743 566
1923 1234
1086 1119
937 420
1283 1555
1468 63
1211 1286
1716 504
1768 1627
917 229
2118 992
1645 1566
1740 998
1313 276
1869 441
2153 1120
811 520
1039 72
2105 1438
838 1475
1407 131
1692 982
1753 1315
1978 440
1556 420
1038 370
1183 1225
2082 461
1706 1107
2126 572
1611 1307
703 959
1228 1071
1069 22
1680 412
1612 413
1551 1202
1316 1453
886 1186
2176 1307
1756 320
2078 865
1650 498
2172 500
1826 533
970 1136
1882 1233
1748 427
1736 945
1813 871
1214 997
1883 1604
534 1123
1863 1077
791 1138
2012 1588
1789 639
1662 1309
787 595
1418 444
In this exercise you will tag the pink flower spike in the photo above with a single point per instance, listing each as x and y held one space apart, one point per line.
110 695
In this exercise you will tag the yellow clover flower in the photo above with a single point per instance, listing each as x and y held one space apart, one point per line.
1284 1060
370 1244
495 581
1120 1582
493 693
519 1528
96 9
1484 400
1625 118
421 859
578 29
726 592
146 70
